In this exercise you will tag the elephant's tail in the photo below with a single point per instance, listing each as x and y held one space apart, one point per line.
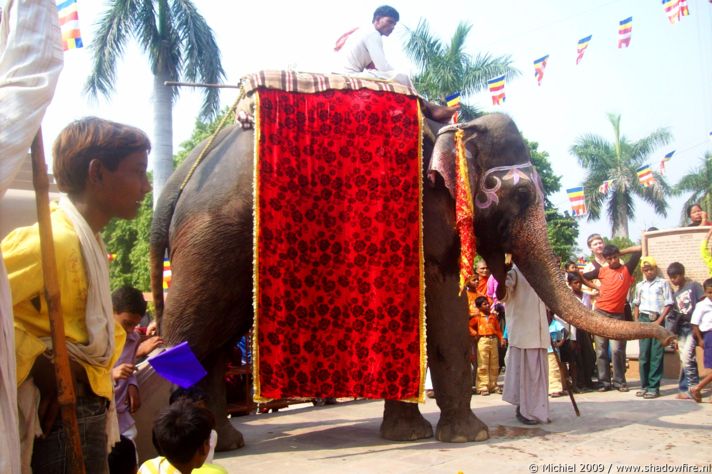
159 246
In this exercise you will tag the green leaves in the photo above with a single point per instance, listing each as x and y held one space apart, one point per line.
176 37
444 69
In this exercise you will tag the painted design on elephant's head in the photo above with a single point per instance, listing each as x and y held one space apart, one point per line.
486 196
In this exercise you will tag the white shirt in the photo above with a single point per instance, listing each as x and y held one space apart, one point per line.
31 59
363 48
527 326
702 316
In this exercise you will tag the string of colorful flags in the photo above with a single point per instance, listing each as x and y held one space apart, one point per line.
674 10
69 24
646 178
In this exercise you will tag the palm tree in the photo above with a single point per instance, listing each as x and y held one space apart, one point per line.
178 42
444 69
617 162
699 183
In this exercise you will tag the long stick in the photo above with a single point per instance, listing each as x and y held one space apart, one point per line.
63 374
566 382
201 84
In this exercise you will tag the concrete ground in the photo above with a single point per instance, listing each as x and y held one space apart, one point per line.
617 432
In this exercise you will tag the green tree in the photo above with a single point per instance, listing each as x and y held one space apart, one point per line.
562 229
179 44
127 242
618 162
698 183
444 69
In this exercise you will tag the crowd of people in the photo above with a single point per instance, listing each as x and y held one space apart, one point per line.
546 355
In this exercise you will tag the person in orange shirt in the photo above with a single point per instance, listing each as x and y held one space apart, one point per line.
484 327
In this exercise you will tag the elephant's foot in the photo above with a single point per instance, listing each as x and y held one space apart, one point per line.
228 437
461 428
404 422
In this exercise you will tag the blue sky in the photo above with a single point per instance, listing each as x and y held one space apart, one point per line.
663 80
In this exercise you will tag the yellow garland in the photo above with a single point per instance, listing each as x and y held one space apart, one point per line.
464 211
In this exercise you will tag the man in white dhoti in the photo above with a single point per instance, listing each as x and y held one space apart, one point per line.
526 378
362 55
31 59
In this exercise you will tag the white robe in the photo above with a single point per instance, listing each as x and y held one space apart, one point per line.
31 59
526 379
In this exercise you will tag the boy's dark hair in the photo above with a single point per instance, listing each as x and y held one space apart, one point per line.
122 458
568 263
181 429
707 283
385 10
675 269
610 251
192 394
128 299
573 277
92 138
479 300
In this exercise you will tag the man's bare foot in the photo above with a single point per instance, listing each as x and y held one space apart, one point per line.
437 112
695 394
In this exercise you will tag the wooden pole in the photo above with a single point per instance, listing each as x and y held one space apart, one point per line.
200 84
63 374
566 381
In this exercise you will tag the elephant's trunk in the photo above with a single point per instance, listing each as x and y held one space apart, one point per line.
534 257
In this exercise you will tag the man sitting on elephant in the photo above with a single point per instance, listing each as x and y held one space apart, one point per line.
363 55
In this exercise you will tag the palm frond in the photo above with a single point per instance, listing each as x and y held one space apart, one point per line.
201 53
421 46
114 26
593 152
643 148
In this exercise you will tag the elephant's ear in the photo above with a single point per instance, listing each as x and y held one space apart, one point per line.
442 162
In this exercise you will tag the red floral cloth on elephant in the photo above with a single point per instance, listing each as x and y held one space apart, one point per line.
338 243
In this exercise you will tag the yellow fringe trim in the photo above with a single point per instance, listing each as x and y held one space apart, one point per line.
420 398
257 396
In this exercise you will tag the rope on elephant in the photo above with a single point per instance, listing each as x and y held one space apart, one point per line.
209 145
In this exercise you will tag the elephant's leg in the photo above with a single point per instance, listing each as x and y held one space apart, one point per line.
404 422
214 384
448 356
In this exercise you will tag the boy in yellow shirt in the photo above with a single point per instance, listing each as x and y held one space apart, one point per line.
101 166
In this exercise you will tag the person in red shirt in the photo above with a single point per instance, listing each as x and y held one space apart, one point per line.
484 328
616 279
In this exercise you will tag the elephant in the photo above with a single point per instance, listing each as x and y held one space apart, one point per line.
208 229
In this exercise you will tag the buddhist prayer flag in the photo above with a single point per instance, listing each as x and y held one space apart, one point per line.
496 88
605 186
69 24
539 66
581 263
684 10
663 162
672 10
166 274
578 200
625 29
453 99
645 176
582 45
